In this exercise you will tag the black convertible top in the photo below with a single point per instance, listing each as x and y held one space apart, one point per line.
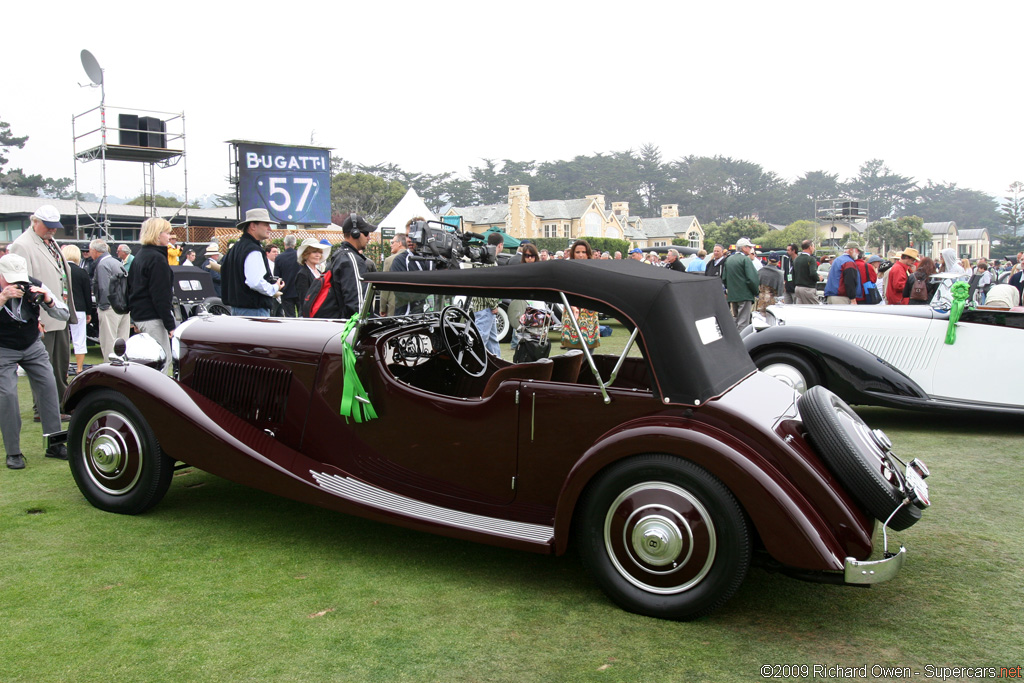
686 331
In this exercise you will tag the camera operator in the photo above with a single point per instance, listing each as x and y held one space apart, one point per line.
21 298
408 303
349 266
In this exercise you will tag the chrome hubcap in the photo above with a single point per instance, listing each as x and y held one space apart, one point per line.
660 538
112 450
657 540
105 453
788 375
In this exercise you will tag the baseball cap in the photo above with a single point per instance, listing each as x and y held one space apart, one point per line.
49 216
743 242
636 251
14 268
353 223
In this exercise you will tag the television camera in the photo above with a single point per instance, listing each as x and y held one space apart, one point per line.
448 248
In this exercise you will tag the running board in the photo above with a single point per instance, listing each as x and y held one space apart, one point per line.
371 496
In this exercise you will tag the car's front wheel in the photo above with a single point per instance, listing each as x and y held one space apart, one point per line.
790 368
502 325
115 457
663 537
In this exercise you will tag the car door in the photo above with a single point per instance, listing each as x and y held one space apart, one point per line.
979 365
428 446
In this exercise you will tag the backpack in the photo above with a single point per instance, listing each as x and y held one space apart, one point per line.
321 300
871 295
919 290
118 292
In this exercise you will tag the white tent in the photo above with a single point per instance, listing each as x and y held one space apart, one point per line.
411 206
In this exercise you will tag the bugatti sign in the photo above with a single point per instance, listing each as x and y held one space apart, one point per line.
292 183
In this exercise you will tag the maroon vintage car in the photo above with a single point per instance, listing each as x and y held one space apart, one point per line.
670 471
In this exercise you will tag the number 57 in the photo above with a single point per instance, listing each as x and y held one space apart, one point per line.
278 186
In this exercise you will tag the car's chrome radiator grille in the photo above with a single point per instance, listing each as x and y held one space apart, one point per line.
255 394
905 352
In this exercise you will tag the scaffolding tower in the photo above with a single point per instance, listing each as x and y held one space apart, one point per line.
154 139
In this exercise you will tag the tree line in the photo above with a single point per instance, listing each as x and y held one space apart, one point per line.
718 190
715 189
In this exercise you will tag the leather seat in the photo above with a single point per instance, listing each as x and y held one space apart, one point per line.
567 366
540 370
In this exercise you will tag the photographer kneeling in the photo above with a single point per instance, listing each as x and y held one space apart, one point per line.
21 344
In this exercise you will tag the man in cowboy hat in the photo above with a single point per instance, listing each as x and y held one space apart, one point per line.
211 262
46 262
22 300
897 278
246 283
173 250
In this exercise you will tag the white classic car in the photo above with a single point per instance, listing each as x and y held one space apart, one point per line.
898 356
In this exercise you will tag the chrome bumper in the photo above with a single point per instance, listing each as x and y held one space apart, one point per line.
873 571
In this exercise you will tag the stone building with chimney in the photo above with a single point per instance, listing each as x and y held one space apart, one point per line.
571 219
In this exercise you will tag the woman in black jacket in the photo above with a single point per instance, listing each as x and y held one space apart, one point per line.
81 290
151 283
311 254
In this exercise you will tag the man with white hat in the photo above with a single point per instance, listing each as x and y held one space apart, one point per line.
741 282
22 300
211 262
247 285
46 262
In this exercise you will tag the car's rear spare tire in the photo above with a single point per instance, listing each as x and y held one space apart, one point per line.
857 456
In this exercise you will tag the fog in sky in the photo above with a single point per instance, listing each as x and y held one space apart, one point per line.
932 89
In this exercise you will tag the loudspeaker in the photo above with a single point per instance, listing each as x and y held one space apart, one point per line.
851 208
155 136
129 133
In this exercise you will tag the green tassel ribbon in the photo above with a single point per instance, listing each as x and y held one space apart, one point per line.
959 292
354 401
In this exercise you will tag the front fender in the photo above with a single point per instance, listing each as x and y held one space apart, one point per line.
190 427
789 524
855 375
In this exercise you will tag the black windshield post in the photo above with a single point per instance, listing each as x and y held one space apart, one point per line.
586 349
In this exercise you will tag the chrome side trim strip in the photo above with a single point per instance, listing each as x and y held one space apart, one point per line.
371 496
868 572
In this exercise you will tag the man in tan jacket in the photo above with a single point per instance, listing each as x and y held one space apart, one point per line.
46 262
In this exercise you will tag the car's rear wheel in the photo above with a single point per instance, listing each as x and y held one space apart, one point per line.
663 537
790 368
115 457
858 456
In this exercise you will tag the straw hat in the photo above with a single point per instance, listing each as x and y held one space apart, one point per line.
312 243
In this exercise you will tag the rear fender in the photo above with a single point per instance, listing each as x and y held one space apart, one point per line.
790 526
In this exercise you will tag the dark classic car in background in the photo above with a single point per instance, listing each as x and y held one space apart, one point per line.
897 356
669 471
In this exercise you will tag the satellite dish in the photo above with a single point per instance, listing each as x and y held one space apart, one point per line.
92 67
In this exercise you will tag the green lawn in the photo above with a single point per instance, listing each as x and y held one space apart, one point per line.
223 583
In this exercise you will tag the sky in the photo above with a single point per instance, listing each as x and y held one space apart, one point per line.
932 90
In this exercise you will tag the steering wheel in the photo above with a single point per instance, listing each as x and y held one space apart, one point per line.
463 341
